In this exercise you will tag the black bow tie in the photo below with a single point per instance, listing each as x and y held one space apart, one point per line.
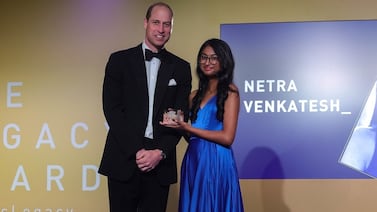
149 55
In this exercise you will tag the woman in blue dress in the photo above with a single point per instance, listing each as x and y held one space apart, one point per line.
209 178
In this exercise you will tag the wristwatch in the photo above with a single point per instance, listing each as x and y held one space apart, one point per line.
163 155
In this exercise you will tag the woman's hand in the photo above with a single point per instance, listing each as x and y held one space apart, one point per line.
176 124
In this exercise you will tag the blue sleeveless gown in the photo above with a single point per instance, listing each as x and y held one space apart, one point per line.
209 178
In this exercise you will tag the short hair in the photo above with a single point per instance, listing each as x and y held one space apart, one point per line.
150 8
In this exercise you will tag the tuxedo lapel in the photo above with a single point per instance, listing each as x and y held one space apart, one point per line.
164 75
141 83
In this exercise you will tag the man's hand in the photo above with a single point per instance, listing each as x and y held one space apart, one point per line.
147 160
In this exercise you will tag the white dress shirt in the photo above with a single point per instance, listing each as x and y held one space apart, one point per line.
152 71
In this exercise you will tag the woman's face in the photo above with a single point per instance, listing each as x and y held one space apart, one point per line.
209 62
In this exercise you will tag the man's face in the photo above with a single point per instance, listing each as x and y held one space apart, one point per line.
158 28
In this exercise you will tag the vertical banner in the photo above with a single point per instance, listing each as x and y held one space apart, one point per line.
303 86
52 60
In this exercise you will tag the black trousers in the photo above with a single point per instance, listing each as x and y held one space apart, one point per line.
142 193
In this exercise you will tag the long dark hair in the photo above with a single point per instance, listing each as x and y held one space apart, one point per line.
225 77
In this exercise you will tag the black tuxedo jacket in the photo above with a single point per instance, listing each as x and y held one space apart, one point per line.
125 105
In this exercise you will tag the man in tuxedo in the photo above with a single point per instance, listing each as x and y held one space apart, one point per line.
140 83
